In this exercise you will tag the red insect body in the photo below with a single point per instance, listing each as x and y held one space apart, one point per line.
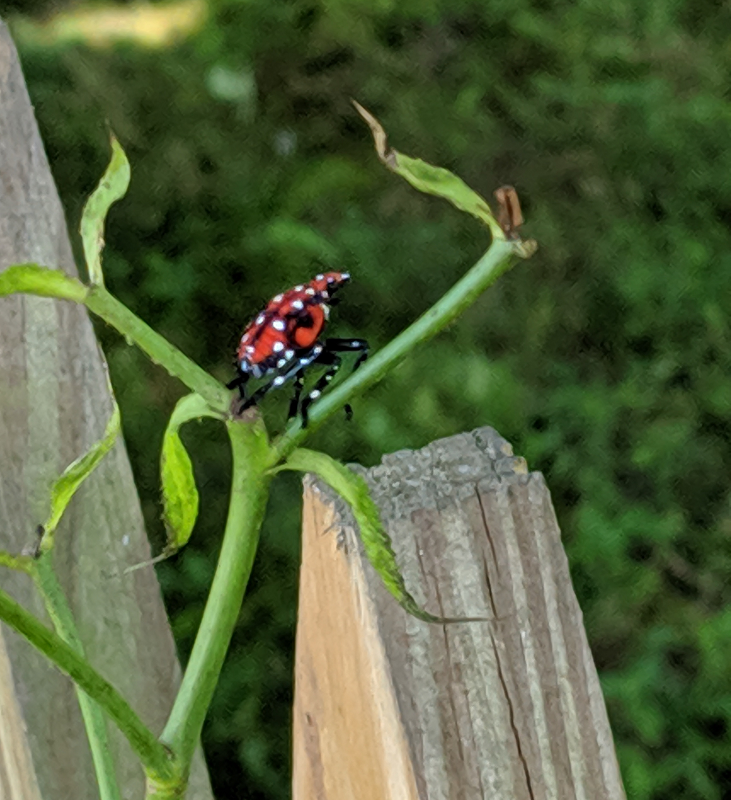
290 324
284 340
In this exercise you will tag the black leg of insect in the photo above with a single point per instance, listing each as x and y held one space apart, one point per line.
329 357
239 382
349 346
325 358
293 370
294 403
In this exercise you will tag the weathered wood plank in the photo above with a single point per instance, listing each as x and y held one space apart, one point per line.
506 710
18 779
346 711
54 404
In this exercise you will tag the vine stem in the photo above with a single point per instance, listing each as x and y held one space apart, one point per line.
497 260
253 459
93 716
249 494
136 331
154 756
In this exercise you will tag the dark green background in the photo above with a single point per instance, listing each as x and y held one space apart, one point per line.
605 359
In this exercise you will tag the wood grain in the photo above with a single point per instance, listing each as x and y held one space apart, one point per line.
18 779
506 710
54 404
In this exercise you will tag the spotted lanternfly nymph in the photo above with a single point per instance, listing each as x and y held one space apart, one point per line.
283 340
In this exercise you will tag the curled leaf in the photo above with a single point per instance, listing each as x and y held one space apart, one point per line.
430 179
376 542
34 279
74 475
179 492
111 188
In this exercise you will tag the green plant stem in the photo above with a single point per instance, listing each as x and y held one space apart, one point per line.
20 563
153 755
136 331
249 492
497 260
94 722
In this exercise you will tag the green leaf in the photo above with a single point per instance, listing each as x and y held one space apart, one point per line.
111 188
376 542
74 475
34 279
179 492
430 179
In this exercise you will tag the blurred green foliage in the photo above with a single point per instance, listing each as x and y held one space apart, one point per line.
606 359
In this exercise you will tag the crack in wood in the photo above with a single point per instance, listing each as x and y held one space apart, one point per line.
511 716
491 544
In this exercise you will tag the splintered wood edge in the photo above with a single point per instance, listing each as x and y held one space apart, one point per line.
348 739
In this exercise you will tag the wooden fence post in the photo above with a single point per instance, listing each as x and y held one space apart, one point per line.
54 404
390 708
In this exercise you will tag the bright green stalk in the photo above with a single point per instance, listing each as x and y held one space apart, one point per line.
153 755
21 563
135 331
34 279
94 722
497 260
249 493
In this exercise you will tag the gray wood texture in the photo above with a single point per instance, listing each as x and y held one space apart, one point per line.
54 403
507 710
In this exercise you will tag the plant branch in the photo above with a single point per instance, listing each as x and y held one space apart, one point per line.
153 755
21 563
497 260
136 331
94 722
249 493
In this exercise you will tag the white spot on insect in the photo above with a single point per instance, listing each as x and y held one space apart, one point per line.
330 279
319 277
277 298
260 319
125 539
326 310
298 304
305 360
310 291
245 337
279 325
299 287
317 349
345 276
249 348
278 381
281 362
288 354
278 347
315 393
328 378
